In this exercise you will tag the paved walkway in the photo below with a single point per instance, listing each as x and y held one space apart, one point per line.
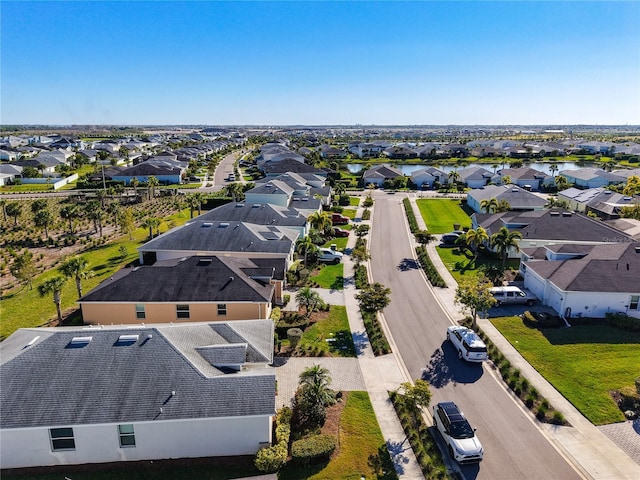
604 453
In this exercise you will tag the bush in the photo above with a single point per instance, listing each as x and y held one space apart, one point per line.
368 202
290 320
623 321
366 214
275 314
360 277
294 335
541 413
429 268
557 418
273 458
411 218
313 449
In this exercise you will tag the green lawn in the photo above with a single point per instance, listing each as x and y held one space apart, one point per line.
349 212
330 276
583 363
460 265
334 328
26 187
341 242
359 443
354 201
441 214
25 308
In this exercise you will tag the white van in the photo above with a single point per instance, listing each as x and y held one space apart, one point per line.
511 294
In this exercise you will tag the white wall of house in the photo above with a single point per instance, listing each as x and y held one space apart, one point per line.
159 439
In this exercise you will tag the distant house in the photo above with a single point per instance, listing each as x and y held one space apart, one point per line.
400 152
378 174
591 177
46 165
428 177
585 280
188 289
273 191
475 177
227 239
274 169
304 186
9 172
518 198
365 150
78 395
525 177
605 203
144 170
8 155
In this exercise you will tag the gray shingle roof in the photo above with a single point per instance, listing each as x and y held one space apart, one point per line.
258 214
199 236
517 197
51 383
195 279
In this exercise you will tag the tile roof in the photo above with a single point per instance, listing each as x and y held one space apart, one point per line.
54 382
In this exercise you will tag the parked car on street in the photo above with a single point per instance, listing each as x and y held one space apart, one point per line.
467 343
461 440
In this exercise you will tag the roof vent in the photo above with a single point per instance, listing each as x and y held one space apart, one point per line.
80 341
626 199
239 205
514 190
255 205
35 339
555 214
608 192
223 225
637 248
207 224
566 214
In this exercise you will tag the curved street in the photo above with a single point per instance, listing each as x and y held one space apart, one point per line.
514 447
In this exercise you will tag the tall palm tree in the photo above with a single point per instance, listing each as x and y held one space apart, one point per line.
503 241
235 190
114 208
489 205
339 188
561 182
454 177
318 379
152 183
76 268
553 168
305 246
198 198
3 202
54 285
95 213
44 219
321 221
69 213
475 238
503 206
151 223
134 183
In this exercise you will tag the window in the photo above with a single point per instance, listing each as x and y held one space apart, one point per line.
62 439
127 436
182 311
140 313
222 309
635 301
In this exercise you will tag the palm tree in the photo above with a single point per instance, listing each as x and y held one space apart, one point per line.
309 299
475 238
235 190
503 241
339 188
454 177
503 206
553 168
14 209
3 202
151 223
317 379
134 183
152 183
76 268
69 212
54 285
304 246
506 179
114 209
561 182
95 213
489 205
44 219
321 221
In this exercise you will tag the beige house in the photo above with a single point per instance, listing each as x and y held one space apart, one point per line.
191 289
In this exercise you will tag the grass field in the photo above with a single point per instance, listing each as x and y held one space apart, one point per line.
354 201
330 276
460 265
26 308
584 363
336 327
360 442
441 214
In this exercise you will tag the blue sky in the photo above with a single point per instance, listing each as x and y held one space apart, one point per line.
320 63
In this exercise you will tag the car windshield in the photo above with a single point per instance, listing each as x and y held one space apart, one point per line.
461 429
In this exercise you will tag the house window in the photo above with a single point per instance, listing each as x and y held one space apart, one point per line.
62 439
127 436
182 311
635 301
140 313
222 309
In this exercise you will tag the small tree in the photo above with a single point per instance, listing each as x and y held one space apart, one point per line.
76 268
24 269
14 210
44 219
309 299
417 395
474 294
374 298
127 222
423 237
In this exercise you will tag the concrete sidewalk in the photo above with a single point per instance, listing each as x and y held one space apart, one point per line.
590 450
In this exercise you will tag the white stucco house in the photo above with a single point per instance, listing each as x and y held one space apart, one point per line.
78 395
428 176
578 280
591 177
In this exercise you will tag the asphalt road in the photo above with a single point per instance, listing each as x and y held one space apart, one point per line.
514 447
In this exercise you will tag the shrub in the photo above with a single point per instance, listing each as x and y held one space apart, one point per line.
312 449
411 218
294 335
429 268
366 214
557 418
368 202
541 413
529 401
360 277
275 314
271 459
623 321
286 298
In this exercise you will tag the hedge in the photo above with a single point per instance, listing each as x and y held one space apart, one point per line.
429 268
312 449
411 218
273 458
377 338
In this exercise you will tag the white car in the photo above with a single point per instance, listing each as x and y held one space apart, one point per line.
461 440
467 343
328 255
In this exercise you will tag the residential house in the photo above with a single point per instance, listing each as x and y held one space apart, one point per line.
605 203
591 177
518 198
428 177
400 151
585 280
366 150
224 239
144 170
9 172
304 185
378 174
550 227
78 395
45 165
274 169
9 155
475 177
525 177
188 289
